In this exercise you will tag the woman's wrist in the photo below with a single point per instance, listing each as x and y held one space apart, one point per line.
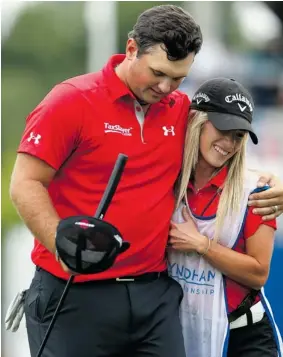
203 246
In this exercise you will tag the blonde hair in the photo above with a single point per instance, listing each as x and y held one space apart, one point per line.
231 195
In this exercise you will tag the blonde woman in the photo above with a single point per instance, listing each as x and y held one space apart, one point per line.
220 251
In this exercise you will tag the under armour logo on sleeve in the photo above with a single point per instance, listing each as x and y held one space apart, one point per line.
36 138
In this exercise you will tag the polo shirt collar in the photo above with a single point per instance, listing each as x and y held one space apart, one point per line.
115 86
217 180
118 88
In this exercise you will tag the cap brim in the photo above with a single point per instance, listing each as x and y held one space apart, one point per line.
225 121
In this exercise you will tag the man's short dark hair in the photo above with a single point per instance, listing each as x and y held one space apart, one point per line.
168 25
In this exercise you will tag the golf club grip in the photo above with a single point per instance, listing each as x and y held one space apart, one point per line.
111 186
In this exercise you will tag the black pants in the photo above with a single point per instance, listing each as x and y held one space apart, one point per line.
99 319
255 340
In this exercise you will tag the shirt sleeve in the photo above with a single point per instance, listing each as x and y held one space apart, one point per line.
53 128
253 222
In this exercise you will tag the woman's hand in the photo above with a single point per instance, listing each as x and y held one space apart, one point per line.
185 237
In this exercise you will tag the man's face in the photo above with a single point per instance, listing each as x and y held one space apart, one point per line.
152 76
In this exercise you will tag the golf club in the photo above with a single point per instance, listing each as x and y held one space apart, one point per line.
100 212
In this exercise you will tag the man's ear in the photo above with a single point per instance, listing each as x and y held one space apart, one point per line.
131 49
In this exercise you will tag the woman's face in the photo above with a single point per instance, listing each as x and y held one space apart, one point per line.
218 146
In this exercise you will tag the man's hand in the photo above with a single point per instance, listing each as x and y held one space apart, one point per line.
64 266
269 203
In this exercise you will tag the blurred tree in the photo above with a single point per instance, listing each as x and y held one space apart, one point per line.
41 51
46 46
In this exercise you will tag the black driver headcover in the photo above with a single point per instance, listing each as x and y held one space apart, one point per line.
88 245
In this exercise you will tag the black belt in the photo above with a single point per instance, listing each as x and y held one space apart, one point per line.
147 277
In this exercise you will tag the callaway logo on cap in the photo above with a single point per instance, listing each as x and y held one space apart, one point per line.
228 104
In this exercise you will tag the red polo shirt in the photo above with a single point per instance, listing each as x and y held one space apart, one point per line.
79 129
198 201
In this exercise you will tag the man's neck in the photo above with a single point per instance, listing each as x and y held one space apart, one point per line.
120 70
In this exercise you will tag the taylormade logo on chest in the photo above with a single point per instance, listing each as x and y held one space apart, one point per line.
240 98
108 128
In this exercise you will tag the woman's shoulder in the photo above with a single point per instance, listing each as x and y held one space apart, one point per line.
253 221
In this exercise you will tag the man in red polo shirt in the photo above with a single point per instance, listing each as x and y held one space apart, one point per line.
67 152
